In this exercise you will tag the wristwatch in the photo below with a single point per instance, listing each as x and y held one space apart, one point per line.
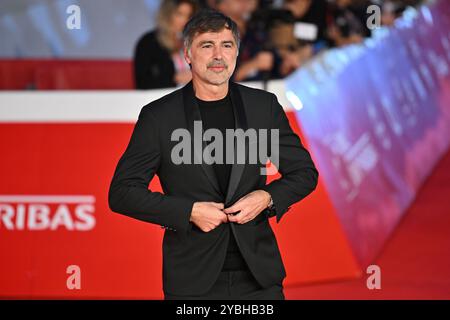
271 208
270 205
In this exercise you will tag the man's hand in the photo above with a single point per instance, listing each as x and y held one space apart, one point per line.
249 206
208 215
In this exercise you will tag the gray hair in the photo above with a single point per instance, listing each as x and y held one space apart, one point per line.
208 20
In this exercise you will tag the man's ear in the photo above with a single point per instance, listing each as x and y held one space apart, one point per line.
186 56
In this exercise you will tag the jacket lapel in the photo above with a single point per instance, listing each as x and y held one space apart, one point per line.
192 112
240 121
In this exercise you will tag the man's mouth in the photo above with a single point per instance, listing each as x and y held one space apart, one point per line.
217 68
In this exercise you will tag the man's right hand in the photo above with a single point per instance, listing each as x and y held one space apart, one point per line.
208 215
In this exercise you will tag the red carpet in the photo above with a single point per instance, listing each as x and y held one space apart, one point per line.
415 263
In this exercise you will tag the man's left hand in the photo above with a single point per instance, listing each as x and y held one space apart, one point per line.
248 207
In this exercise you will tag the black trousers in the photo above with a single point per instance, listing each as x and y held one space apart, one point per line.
236 285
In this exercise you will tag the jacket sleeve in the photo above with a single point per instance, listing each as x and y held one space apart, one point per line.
299 176
129 193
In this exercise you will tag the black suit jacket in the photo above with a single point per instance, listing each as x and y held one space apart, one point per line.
192 259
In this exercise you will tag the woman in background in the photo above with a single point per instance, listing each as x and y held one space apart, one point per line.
158 56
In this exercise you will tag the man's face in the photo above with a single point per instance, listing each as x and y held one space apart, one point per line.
212 56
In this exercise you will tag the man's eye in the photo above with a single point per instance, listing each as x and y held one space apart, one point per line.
207 46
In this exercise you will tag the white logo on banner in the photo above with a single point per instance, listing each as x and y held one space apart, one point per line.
47 212
73 21
374 20
374 280
233 143
74 280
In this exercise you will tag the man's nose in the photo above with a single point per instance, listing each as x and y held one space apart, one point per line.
218 53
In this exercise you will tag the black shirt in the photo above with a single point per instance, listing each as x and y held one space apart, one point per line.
219 115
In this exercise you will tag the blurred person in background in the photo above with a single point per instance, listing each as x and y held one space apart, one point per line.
255 61
393 9
310 21
238 10
390 11
307 33
273 51
207 4
347 22
158 56
290 54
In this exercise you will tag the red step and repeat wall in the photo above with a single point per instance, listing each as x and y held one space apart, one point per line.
48 74
54 216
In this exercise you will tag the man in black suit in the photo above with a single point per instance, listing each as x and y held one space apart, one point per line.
218 243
